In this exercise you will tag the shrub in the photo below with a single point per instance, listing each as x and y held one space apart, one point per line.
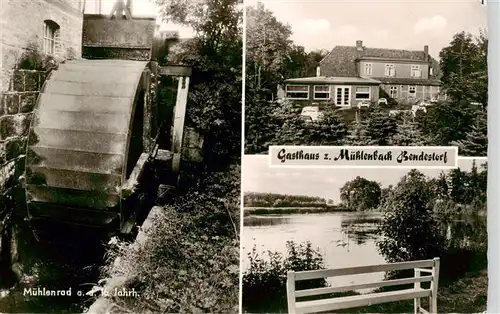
409 228
190 262
264 282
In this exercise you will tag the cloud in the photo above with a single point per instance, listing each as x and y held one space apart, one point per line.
314 25
435 23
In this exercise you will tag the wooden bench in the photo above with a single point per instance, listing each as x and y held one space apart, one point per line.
430 268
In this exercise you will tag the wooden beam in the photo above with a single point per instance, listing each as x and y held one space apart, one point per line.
383 283
179 117
128 188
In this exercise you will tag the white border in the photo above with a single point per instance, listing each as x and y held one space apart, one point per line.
493 196
242 162
455 148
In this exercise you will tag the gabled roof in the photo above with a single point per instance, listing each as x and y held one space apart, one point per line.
341 61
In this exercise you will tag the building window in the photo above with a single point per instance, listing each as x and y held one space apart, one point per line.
363 92
321 92
50 34
343 96
389 70
412 91
415 70
368 69
393 91
431 71
297 92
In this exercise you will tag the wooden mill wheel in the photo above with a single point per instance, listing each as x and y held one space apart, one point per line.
88 136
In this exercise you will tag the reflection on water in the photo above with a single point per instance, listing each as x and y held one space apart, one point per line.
344 239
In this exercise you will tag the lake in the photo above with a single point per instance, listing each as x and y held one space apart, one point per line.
344 239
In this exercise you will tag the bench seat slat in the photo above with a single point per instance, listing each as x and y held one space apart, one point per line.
314 274
384 283
360 300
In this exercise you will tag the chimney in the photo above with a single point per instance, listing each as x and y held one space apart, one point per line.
426 53
318 71
359 45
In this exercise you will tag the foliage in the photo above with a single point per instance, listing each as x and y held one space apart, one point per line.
409 226
190 261
358 135
214 104
360 194
32 59
408 134
464 67
260 123
475 142
271 55
264 282
255 199
450 121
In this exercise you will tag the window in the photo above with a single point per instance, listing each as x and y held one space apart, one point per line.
412 90
368 69
321 92
431 71
393 91
389 70
50 33
297 91
343 96
415 70
363 92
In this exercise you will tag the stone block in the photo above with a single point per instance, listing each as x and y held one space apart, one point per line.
27 102
18 81
14 148
11 103
14 125
31 81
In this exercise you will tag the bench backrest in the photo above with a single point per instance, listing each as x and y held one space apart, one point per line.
430 268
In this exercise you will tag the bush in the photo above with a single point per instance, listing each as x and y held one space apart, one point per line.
264 282
409 228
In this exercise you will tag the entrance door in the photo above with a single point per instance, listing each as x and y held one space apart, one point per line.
343 96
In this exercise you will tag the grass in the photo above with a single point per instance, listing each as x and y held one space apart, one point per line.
465 295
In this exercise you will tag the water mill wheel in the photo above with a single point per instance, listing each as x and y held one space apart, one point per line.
92 133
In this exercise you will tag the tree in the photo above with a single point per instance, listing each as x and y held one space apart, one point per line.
409 229
360 194
449 122
358 135
380 127
268 45
476 139
464 67
215 53
408 134
329 130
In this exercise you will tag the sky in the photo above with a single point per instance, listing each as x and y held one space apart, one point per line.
139 8
397 24
326 183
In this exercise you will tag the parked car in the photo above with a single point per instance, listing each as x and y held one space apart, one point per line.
423 103
382 101
363 103
312 112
